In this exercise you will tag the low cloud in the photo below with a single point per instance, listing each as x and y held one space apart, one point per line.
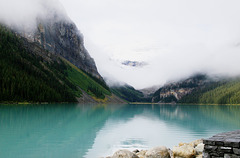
176 38
23 14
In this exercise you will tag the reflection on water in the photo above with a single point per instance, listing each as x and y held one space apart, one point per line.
90 131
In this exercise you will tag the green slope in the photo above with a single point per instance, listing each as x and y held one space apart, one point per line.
25 77
85 82
223 92
228 93
29 73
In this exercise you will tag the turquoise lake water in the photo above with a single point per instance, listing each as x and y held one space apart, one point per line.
92 131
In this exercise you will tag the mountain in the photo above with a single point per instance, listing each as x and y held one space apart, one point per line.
27 75
59 35
30 73
49 64
173 92
200 89
221 92
129 94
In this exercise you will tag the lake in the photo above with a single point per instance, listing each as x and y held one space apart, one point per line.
77 130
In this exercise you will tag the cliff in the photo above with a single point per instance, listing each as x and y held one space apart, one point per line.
173 92
56 33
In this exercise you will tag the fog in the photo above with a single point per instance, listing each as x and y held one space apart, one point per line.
175 38
23 14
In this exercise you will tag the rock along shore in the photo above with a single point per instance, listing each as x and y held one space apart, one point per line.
183 150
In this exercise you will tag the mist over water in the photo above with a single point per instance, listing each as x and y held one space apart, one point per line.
74 130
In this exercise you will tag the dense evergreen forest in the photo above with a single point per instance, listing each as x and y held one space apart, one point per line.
86 82
222 92
26 76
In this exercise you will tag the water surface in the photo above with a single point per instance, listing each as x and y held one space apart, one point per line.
76 130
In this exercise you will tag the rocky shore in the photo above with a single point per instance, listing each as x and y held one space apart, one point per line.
183 150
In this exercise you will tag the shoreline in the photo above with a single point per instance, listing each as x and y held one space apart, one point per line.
136 103
183 150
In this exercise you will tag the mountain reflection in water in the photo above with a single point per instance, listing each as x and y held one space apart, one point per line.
78 130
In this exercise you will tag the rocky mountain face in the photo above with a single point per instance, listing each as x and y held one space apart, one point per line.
173 92
59 35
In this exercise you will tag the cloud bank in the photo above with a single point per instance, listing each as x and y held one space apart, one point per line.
176 38
23 14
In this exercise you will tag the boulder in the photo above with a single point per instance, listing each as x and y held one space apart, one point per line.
135 151
184 151
199 148
158 152
196 142
124 154
141 154
170 153
199 156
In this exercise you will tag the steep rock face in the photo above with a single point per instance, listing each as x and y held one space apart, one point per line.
63 38
173 92
56 33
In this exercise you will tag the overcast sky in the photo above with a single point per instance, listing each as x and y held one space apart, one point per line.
175 37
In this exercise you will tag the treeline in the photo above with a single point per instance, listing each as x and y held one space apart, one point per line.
228 93
86 82
99 81
25 77
224 92
96 91
196 94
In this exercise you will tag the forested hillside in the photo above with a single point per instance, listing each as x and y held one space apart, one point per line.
91 85
28 73
26 77
224 92
200 89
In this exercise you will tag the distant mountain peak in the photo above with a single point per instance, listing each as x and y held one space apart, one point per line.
134 63
174 91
